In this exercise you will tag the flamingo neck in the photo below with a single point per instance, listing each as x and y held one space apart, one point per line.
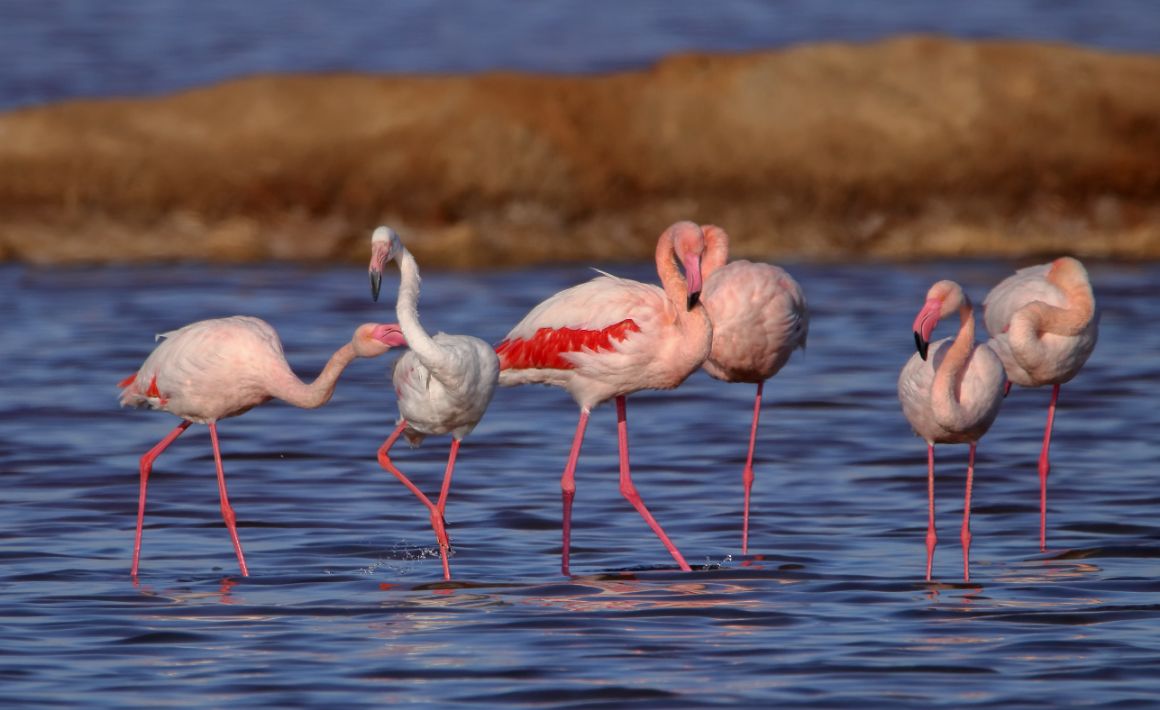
1071 320
672 280
294 391
407 311
946 389
716 250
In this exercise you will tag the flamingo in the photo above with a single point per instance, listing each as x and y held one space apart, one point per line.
219 368
952 396
759 318
608 338
443 384
1043 325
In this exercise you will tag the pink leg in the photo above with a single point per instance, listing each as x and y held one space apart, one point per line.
965 536
227 511
747 474
434 511
146 468
568 489
447 475
931 538
1044 469
628 490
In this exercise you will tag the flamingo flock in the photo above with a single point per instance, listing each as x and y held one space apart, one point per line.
610 337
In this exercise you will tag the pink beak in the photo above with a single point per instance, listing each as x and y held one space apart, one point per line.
924 324
692 264
390 334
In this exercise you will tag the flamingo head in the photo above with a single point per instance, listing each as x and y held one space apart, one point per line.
689 247
374 339
385 245
941 300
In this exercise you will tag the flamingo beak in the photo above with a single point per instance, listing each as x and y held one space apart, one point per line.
924 325
379 254
390 334
692 264
376 283
921 345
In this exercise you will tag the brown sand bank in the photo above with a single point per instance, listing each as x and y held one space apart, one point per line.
912 148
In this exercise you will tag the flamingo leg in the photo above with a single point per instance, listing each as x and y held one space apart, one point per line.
747 474
227 510
1045 468
442 504
146 468
568 489
434 510
965 536
628 490
931 537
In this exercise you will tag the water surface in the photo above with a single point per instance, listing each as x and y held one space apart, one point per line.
346 606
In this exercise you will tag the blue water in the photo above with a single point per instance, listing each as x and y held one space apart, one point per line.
346 606
57 49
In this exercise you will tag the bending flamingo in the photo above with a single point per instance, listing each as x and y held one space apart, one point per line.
1043 325
952 396
219 368
443 384
759 318
610 337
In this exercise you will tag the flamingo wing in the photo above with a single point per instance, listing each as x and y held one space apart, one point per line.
595 316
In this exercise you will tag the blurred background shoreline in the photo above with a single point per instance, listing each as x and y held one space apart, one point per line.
497 135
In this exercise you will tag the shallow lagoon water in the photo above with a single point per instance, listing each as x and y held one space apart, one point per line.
345 604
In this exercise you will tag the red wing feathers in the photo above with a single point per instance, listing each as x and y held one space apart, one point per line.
546 348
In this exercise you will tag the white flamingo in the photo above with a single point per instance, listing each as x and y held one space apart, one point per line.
443 383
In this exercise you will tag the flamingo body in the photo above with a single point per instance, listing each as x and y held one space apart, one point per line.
1032 355
608 338
219 368
599 340
759 318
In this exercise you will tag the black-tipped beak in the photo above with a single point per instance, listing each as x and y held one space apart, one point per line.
694 298
921 344
376 282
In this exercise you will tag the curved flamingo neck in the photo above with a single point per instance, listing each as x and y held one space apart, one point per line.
1072 319
294 391
672 280
946 389
716 249
407 311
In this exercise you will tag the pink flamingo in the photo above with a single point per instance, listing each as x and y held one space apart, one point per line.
443 384
951 397
1043 325
759 318
610 337
219 368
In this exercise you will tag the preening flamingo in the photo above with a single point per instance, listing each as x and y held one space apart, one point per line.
610 337
443 384
219 368
759 318
952 396
1043 325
